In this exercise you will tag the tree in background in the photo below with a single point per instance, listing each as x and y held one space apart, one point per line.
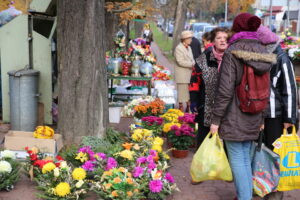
83 100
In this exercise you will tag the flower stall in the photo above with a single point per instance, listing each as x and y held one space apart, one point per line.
134 167
134 72
292 46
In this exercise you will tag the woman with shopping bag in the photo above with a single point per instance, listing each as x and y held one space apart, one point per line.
237 124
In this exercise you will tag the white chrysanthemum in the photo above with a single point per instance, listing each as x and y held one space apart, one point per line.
56 172
5 167
8 154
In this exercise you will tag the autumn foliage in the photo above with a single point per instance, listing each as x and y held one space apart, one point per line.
128 11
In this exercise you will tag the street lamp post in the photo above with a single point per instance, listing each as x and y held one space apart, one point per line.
226 8
298 22
288 14
271 13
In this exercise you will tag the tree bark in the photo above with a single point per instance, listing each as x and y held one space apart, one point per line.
111 25
179 22
138 28
83 102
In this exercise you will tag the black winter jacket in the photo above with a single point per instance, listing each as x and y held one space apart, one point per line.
283 98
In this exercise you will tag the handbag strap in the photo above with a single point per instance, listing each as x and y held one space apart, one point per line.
293 131
260 140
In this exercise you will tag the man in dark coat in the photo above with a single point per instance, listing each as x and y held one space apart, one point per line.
196 47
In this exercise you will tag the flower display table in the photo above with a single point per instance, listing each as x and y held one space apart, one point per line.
111 78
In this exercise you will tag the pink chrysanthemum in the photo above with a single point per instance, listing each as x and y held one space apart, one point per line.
155 186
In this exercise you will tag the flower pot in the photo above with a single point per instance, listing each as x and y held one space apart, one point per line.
180 153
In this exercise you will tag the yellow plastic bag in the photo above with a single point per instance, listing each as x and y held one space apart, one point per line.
210 161
288 148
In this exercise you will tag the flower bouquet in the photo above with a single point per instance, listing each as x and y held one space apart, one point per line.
55 178
154 182
154 108
9 170
94 163
153 123
288 41
181 138
172 115
129 111
61 182
116 184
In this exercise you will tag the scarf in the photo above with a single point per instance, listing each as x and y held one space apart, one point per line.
218 56
243 35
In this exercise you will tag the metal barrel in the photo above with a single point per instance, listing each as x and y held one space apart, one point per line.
23 95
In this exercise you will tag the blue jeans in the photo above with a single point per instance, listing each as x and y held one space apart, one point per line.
240 162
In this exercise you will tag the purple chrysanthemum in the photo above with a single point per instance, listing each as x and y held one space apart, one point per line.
141 160
138 171
101 155
88 166
111 163
151 165
155 186
169 178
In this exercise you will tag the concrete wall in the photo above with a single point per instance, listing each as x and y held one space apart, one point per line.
14 52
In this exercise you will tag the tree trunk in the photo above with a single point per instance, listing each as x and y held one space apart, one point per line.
138 27
83 102
111 25
179 22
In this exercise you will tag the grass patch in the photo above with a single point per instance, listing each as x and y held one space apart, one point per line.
132 34
164 42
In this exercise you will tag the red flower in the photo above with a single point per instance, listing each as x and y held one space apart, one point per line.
59 158
33 157
57 164
41 163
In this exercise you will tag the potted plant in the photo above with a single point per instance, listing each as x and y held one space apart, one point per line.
153 123
181 138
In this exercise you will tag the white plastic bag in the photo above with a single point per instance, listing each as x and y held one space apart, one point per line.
8 14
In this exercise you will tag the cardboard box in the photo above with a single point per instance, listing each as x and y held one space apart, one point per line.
18 140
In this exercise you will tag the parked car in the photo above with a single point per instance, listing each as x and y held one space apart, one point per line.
226 24
208 28
198 29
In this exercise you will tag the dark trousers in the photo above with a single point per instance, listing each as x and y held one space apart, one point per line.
202 130
273 131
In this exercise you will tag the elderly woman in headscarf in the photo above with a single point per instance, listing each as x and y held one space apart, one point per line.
183 70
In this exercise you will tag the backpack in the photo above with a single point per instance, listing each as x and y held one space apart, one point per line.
254 91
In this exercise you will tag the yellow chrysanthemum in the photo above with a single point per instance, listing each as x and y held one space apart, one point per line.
82 157
140 134
127 154
166 156
48 167
129 180
107 185
79 174
157 148
117 180
158 141
121 169
129 193
62 189
114 193
167 126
